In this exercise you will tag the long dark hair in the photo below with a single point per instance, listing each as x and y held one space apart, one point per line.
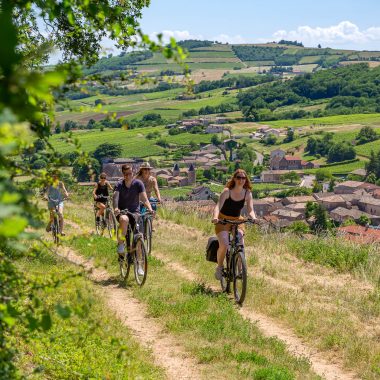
247 184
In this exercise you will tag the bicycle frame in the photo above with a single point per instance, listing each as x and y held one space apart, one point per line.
236 268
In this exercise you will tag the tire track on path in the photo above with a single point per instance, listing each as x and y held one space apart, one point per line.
167 352
272 329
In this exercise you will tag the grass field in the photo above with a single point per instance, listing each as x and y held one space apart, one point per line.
134 142
309 59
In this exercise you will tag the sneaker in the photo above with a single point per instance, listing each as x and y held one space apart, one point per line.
140 271
219 273
120 248
63 234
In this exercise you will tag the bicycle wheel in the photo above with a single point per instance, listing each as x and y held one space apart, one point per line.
226 280
111 224
125 267
148 235
55 230
99 227
239 268
140 262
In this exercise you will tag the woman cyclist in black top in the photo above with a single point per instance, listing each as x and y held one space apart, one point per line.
100 193
231 201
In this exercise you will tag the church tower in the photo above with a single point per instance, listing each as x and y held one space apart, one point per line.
176 170
191 175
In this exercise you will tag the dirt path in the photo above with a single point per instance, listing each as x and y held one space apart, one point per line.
271 328
167 352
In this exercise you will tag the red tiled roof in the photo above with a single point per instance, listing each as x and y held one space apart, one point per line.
361 234
292 158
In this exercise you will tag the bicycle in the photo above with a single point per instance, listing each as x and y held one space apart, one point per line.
108 221
134 254
236 268
147 220
54 226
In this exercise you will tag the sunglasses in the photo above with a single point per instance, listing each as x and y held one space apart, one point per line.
102 177
240 177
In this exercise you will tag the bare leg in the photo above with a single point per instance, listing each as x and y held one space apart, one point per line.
123 225
101 207
60 216
223 246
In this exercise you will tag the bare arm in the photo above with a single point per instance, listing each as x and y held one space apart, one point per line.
109 186
93 192
115 200
251 211
156 190
64 190
145 200
219 205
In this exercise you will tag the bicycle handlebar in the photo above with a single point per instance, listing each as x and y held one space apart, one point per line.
236 222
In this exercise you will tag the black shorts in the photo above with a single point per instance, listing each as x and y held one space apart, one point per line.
132 219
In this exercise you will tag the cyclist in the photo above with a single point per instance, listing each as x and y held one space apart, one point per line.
127 194
234 196
100 194
149 181
56 192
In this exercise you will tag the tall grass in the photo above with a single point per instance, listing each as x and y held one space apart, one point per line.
85 341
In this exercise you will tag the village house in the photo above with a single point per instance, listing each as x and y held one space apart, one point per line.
179 177
201 193
288 215
349 187
112 167
263 207
370 205
360 234
272 131
274 176
333 201
298 199
214 128
342 214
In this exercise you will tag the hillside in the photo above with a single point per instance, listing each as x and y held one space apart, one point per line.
321 323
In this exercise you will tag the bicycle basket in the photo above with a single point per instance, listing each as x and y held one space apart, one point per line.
212 249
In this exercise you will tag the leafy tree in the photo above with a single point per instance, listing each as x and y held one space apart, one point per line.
291 176
310 207
341 152
107 150
289 135
321 223
86 170
317 187
298 227
27 104
365 135
364 220
271 139
322 174
331 185
216 140
371 178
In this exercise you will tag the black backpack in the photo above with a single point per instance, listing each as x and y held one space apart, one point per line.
212 249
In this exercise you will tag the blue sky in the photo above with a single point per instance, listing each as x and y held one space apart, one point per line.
344 24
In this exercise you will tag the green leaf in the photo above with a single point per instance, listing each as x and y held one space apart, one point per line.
63 311
12 226
46 321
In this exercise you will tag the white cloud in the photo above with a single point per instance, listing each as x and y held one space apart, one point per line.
345 32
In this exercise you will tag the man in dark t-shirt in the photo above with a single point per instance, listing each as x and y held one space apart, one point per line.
127 195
